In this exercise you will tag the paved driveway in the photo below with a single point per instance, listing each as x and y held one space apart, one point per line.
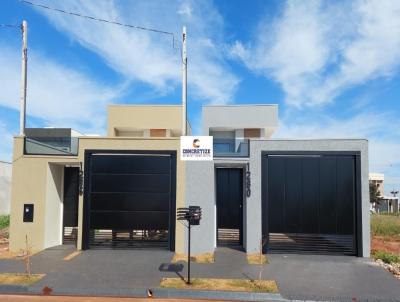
298 276
308 277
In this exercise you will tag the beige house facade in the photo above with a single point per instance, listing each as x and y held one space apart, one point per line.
38 179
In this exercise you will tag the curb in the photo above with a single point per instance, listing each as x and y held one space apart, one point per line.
216 295
96 292
142 293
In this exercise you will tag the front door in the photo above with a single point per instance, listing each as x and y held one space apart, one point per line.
229 206
71 201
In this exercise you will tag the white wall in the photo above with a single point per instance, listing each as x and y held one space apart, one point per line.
240 117
5 187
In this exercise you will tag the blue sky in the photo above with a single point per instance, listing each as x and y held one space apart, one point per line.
332 66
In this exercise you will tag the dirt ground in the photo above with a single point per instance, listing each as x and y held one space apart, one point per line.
22 298
4 251
387 244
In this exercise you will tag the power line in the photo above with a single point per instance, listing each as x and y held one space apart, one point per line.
10 26
103 20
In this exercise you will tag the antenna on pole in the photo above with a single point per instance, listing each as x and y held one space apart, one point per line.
22 116
184 82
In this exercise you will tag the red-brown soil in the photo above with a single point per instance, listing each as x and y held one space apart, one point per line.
387 244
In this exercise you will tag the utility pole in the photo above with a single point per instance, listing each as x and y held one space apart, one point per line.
184 82
22 116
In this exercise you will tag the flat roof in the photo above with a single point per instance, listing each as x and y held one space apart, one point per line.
144 105
241 105
309 139
376 176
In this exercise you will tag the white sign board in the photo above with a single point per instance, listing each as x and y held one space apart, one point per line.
197 148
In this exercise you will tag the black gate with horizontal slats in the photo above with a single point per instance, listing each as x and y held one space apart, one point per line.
129 199
309 203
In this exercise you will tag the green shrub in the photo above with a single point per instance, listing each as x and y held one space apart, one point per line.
4 221
385 225
385 256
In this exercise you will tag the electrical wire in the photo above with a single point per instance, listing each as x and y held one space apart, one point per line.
10 26
104 21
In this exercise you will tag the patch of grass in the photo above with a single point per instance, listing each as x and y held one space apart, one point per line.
201 258
242 285
385 225
19 279
4 221
257 259
390 214
385 257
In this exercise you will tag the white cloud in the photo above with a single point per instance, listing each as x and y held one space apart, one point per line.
381 130
149 57
185 9
57 94
6 143
316 50
362 125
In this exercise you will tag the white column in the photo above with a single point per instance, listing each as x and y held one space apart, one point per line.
184 82
22 117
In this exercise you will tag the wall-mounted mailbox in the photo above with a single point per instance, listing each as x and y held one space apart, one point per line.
28 212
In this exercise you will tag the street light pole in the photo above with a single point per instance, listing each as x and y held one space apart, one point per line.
188 260
184 82
22 117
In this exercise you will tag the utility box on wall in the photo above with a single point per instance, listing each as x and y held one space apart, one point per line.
28 212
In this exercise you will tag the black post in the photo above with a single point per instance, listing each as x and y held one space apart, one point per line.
192 215
188 281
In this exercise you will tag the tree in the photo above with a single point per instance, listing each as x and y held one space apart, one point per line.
374 195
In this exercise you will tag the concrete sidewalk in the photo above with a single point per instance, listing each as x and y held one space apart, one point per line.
305 277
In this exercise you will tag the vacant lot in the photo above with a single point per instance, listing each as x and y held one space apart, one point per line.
385 235
4 221
4 224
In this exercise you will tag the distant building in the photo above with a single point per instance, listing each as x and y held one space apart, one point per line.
378 180
5 187
386 204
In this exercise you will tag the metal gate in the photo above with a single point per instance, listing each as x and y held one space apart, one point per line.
229 193
129 199
70 205
310 203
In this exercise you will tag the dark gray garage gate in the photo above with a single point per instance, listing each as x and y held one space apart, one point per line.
129 199
311 202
